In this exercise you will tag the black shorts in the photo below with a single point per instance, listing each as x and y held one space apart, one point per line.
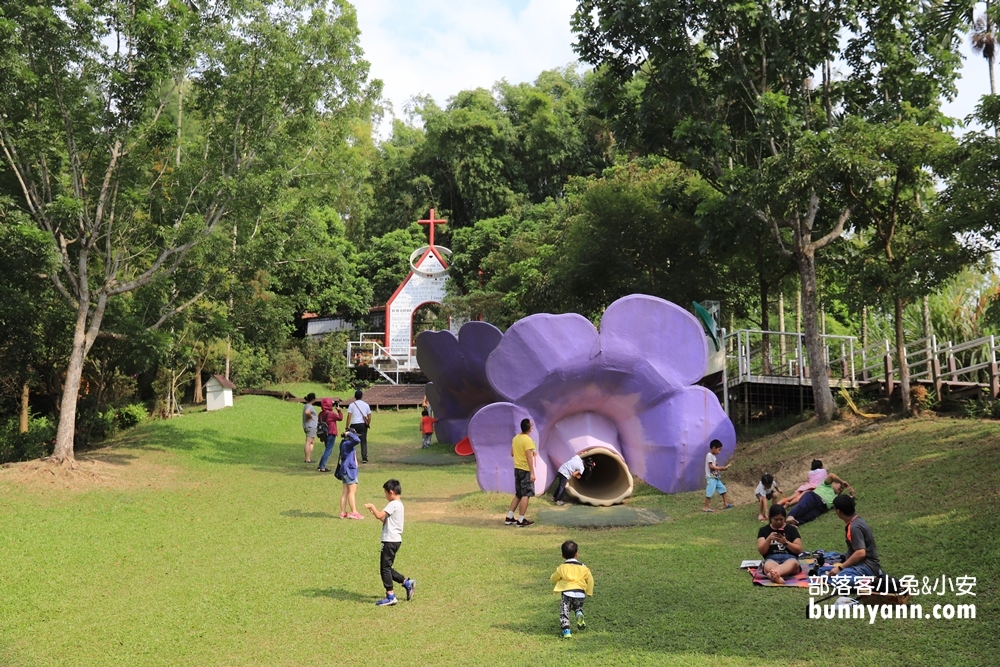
523 486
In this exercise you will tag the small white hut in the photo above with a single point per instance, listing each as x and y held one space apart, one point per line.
219 393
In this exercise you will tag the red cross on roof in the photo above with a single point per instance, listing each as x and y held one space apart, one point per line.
430 223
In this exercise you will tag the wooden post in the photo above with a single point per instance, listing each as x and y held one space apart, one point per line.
781 327
952 366
994 371
843 362
22 426
936 369
889 380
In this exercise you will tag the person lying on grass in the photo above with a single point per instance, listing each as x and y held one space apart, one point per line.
815 503
817 473
780 545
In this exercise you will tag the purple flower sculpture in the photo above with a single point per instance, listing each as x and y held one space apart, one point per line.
626 391
456 368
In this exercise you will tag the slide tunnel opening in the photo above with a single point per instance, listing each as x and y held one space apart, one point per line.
609 484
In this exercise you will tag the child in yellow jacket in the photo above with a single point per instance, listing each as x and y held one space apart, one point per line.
574 581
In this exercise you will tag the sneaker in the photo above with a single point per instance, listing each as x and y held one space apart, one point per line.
728 507
560 503
410 585
509 521
567 633
343 515
354 515
524 524
387 601
580 622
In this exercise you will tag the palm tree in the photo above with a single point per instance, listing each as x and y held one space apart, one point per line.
984 42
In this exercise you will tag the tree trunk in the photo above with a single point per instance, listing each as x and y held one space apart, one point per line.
783 348
198 395
798 310
22 426
864 327
805 260
904 370
765 325
84 335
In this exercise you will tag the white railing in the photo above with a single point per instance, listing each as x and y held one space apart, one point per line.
972 362
389 363
753 354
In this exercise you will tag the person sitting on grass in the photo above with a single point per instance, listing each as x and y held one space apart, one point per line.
817 473
815 503
862 554
577 468
713 479
780 545
766 488
574 580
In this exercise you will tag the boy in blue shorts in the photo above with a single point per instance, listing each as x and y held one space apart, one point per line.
713 480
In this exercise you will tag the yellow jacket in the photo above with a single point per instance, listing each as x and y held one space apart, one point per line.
573 576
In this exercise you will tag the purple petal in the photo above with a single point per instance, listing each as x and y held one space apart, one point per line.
640 328
491 431
539 348
666 445
578 432
455 365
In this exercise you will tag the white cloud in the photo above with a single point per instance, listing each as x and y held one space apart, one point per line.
441 47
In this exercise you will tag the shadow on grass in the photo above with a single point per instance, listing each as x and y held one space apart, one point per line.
336 594
115 459
299 514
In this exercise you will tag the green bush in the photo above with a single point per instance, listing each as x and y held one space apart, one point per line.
329 361
37 442
291 366
130 416
251 368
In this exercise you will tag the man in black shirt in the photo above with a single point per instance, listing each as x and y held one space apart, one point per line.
780 545
862 554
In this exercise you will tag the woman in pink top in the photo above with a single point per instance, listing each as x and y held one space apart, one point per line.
817 474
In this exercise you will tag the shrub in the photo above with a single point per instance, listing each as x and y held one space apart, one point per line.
921 399
329 361
291 366
37 442
251 368
130 416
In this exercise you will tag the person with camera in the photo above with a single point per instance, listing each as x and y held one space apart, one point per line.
329 415
780 545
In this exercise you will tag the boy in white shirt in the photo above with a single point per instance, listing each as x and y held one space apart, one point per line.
766 488
713 480
392 537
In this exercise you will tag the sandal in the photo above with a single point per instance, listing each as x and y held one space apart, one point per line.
707 509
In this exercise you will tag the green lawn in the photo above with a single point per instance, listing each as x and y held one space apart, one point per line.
205 540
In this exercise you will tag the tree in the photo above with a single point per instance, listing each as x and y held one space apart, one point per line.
910 247
91 128
729 89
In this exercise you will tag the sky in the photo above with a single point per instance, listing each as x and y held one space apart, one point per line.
441 47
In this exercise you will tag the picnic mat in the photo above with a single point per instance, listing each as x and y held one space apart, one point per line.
800 580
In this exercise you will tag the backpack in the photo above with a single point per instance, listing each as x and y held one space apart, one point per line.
323 430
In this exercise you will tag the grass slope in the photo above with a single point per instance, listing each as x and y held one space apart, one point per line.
205 540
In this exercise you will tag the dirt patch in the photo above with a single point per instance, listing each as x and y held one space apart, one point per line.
99 469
